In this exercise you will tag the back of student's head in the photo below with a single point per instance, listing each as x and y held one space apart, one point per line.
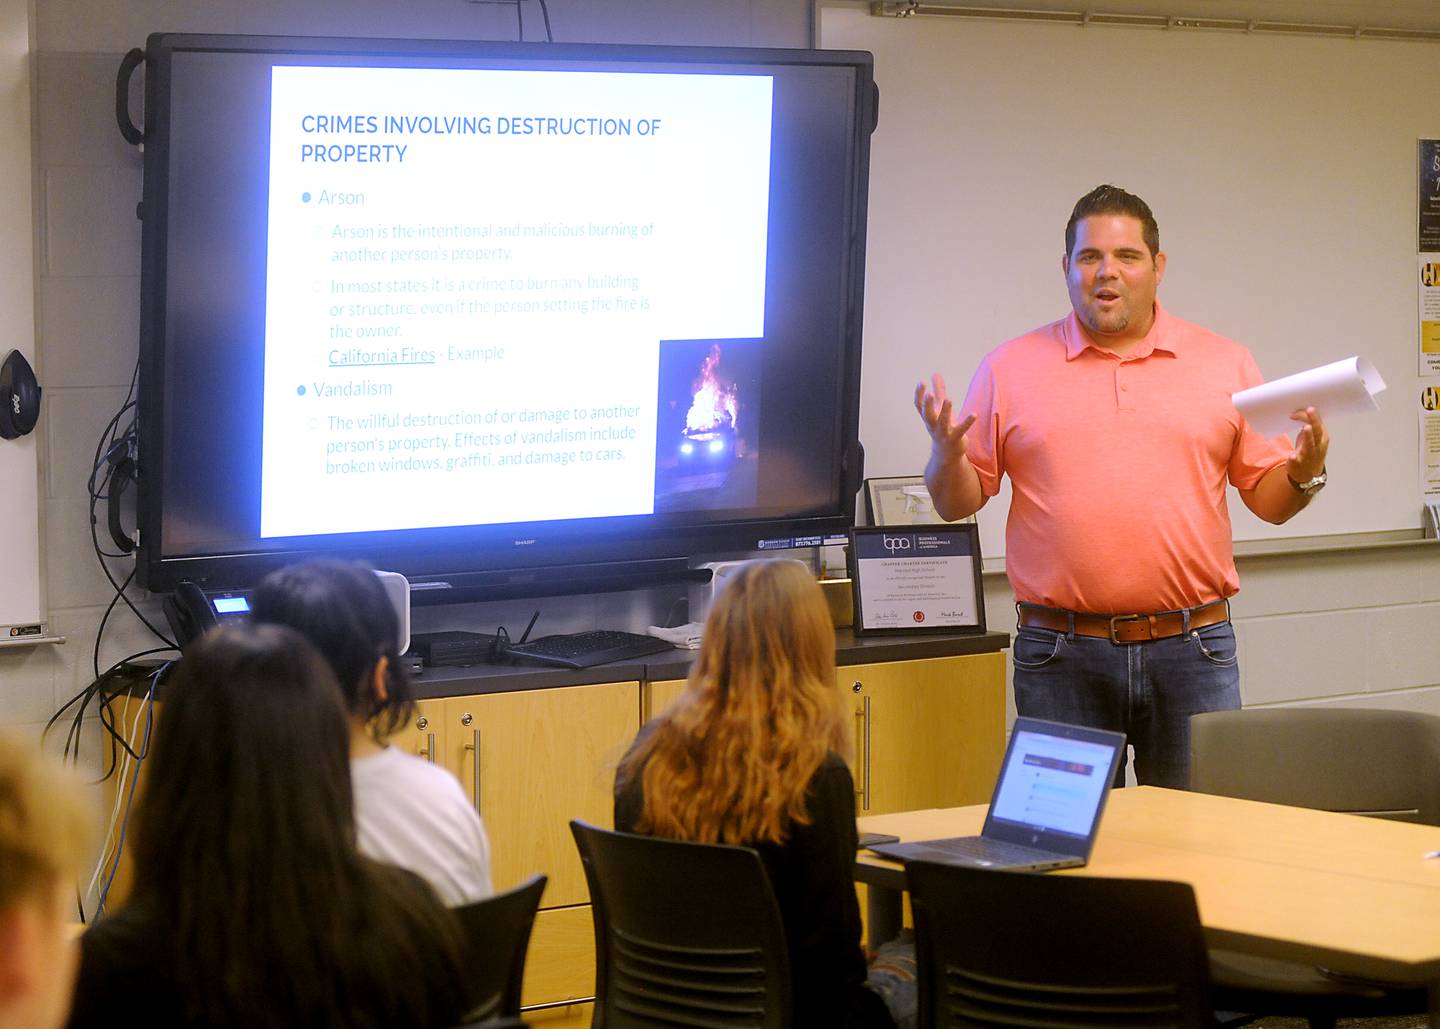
769 628
45 830
249 768
344 611
245 850
732 759
45 824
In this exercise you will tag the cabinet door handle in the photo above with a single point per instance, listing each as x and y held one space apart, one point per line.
865 761
860 751
429 750
474 749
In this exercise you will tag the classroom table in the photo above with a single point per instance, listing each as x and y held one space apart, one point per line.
1360 896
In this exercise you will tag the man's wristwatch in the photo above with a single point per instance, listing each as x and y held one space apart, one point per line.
1311 486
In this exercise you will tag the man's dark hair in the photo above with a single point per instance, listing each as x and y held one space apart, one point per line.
1114 200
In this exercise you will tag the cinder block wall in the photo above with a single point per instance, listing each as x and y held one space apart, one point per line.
1357 628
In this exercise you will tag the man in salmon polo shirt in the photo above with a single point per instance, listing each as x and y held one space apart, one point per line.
1116 428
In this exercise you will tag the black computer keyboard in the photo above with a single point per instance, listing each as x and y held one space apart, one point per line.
583 649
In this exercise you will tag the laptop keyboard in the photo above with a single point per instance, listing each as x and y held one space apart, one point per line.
994 852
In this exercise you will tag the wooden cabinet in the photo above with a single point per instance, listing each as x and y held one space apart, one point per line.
561 963
531 761
658 696
928 733
425 735
560 1016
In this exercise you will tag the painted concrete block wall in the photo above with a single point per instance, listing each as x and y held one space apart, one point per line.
1342 629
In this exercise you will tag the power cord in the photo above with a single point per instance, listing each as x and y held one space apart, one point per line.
119 679
111 858
501 647
112 470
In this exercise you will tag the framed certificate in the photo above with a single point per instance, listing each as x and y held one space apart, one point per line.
920 579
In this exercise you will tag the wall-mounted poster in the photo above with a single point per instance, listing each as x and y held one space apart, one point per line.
1429 214
1430 454
1428 246
1429 265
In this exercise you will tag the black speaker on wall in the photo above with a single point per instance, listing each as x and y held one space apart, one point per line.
19 397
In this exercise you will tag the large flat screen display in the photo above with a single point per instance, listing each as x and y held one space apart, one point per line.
480 309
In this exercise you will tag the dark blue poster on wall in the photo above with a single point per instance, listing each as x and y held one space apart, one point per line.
1429 196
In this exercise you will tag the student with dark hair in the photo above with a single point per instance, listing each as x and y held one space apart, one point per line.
251 905
408 811
753 753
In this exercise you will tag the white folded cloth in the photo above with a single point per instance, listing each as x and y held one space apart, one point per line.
686 637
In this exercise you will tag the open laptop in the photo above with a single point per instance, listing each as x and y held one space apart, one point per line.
1047 803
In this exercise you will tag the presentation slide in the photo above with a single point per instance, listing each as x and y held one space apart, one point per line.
1054 782
472 277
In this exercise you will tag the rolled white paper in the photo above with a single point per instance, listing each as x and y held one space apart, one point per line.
1343 387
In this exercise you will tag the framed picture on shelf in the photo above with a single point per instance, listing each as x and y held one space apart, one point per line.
901 500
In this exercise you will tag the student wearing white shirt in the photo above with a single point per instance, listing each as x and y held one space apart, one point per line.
408 812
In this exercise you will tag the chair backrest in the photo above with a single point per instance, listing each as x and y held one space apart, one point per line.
1363 761
685 933
496 932
1015 948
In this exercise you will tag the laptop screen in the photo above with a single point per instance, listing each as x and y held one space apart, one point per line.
1054 782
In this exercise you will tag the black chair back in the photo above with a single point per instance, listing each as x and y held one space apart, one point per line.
496 932
1015 948
685 933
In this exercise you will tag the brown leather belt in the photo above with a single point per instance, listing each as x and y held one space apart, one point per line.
1125 628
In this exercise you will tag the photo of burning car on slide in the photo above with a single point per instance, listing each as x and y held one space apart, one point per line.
706 440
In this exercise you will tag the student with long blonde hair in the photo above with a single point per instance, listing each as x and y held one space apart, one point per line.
753 753
45 829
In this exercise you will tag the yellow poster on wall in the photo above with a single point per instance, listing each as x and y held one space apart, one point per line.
1429 286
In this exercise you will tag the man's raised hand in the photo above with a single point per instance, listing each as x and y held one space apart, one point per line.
935 407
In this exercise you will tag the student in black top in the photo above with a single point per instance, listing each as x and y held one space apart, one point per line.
752 753
251 905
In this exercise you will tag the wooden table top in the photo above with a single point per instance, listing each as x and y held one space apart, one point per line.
1355 894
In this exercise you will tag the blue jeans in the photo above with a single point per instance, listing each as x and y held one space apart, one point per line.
1146 690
